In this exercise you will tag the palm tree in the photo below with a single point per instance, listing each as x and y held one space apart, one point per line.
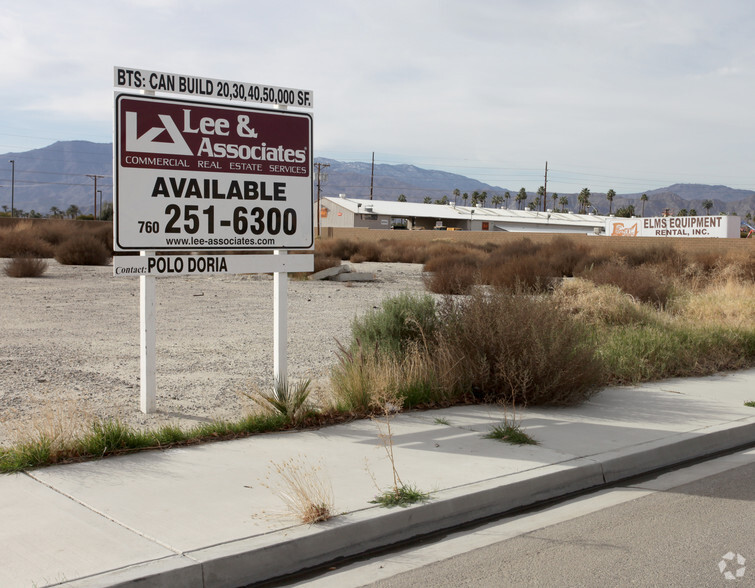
73 211
584 200
475 197
555 199
496 200
541 193
521 197
427 200
507 197
401 198
483 198
643 199
464 198
707 205
457 193
610 196
564 202
692 212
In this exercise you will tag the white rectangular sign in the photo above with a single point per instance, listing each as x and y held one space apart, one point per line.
157 81
674 226
183 265
194 176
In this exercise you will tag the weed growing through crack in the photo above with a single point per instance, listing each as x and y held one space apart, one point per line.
750 403
306 495
510 432
441 421
399 494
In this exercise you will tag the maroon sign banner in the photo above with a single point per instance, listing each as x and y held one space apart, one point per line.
196 176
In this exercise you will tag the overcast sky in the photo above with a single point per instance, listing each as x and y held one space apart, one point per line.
625 94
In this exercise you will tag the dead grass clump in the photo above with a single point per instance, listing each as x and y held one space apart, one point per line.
83 249
730 303
306 495
739 267
641 282
604 304
56 427
25 267
21 240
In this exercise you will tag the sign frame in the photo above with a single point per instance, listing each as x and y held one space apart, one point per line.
193 179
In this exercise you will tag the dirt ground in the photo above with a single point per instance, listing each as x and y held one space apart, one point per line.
69 341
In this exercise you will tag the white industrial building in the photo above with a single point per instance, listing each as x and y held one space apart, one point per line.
345 212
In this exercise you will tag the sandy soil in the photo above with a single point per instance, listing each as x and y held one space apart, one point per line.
69 341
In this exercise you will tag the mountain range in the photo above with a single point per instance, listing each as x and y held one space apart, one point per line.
59 175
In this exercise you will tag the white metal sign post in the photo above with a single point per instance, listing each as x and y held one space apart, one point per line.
205 177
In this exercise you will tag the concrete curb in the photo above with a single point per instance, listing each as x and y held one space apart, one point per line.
285 552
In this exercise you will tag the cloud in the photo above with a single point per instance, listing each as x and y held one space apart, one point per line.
587 84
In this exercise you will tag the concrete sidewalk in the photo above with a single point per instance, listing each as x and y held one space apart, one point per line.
208 515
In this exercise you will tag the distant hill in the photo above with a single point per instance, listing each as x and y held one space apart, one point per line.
57 176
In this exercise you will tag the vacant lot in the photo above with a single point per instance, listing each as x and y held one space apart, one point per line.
69 341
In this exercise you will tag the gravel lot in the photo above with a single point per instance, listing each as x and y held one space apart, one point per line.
69 341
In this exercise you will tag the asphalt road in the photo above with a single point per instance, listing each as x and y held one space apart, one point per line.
674 530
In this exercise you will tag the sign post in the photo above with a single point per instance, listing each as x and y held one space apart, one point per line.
209 178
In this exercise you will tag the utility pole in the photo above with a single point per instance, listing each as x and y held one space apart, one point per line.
545 188
372 174
319 173
94 177
12 187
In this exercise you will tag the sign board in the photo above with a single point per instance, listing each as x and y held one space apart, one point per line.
196 176
674 226
184 265
157 81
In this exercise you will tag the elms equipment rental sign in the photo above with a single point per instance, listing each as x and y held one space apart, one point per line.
195 176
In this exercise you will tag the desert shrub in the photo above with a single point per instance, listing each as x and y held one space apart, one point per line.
643 283
340 248
323 261
517 273
25 267
656 254
105 234
54 232
454 274
513 348
565 257
368 251
517 248
399 251
397 323
83 249
18 242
